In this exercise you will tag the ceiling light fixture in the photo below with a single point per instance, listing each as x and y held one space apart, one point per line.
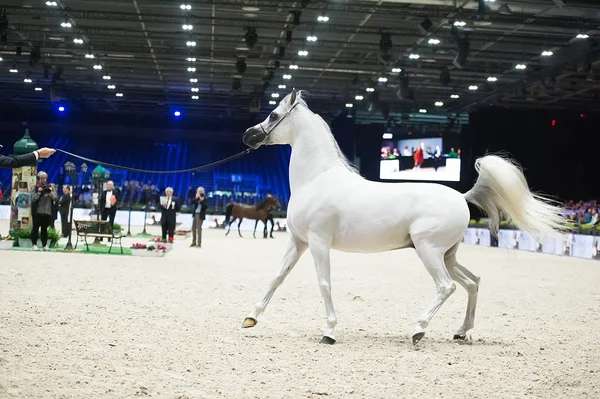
423 111
547 53
473 87
454 96
191 59
38 89
78 41
281 86
311 38
191 69
302 53
89 55
359 97
27 80
439 104
434 41
98 67
275 95
414 56
349 105
186 7
323 18
106 77
195 97
190 43
287 77
195 89
293 66
492 79
119 94
52 4
582 36
66 24
396 70
272 102
382 79
193 80
370 89
13 70
460 23
187 27
111 87
520 66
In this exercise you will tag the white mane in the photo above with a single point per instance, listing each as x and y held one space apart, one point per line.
343 158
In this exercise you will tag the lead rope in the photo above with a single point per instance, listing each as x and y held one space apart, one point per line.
208 165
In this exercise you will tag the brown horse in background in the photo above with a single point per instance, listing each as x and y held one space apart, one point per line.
257 212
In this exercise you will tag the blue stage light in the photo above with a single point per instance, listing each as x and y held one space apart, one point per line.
177 113
61 109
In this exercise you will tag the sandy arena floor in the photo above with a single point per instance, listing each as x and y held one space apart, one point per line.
89 326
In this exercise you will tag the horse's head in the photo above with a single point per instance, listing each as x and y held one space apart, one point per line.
273 202
277 127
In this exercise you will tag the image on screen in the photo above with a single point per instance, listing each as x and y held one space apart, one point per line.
425 158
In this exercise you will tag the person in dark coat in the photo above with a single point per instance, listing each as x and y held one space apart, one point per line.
169 208
199 206
64 207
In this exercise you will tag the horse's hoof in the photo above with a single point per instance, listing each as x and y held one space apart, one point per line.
417 337
249 322
461 337
327 340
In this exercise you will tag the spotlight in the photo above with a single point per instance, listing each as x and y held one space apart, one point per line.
423 111
191 69
195 89
454 96
281 86
195 97
78 41
582 36
311 38
370 89
61 109
473 87
293 66
520 66
323 18
547 53
359 97
302 53
98 67
177 113
193 80
439 104
492 79
433 41
275 95
119 94
106 77
38 89
396 70
414 56
27 80
89 55
191 43
349 105
187 27
287 77
111 87
185 7
272 102
191 59
382 79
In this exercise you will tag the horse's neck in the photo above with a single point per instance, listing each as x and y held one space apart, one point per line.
313 153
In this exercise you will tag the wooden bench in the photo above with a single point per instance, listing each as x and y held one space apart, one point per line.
96 229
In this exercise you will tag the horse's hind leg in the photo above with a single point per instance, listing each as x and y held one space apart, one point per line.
229 226
255 225
470 283
239 224
433 259
295 249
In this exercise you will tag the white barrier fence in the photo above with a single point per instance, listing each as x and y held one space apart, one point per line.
574 245
137 219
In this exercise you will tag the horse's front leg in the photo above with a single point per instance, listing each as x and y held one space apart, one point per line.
229 226
320 249
239 224
295 249
255 225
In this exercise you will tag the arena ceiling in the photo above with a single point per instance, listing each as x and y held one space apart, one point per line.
411 53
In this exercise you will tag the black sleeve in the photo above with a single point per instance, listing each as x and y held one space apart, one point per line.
16 161
177 205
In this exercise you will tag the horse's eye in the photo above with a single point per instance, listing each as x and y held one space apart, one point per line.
273 116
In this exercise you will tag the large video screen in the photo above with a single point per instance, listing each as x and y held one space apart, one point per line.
425 158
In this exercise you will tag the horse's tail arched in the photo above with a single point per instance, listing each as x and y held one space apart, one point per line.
502 192
228 212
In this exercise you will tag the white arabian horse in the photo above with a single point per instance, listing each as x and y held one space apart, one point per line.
327 210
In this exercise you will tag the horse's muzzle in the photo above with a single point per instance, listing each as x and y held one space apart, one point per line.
254 137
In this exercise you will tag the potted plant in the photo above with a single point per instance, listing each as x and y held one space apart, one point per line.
24 238
152 250
6 242
53 237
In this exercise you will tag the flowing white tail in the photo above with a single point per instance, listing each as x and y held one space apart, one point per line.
502 192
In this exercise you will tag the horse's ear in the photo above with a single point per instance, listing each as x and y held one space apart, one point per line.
293 98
